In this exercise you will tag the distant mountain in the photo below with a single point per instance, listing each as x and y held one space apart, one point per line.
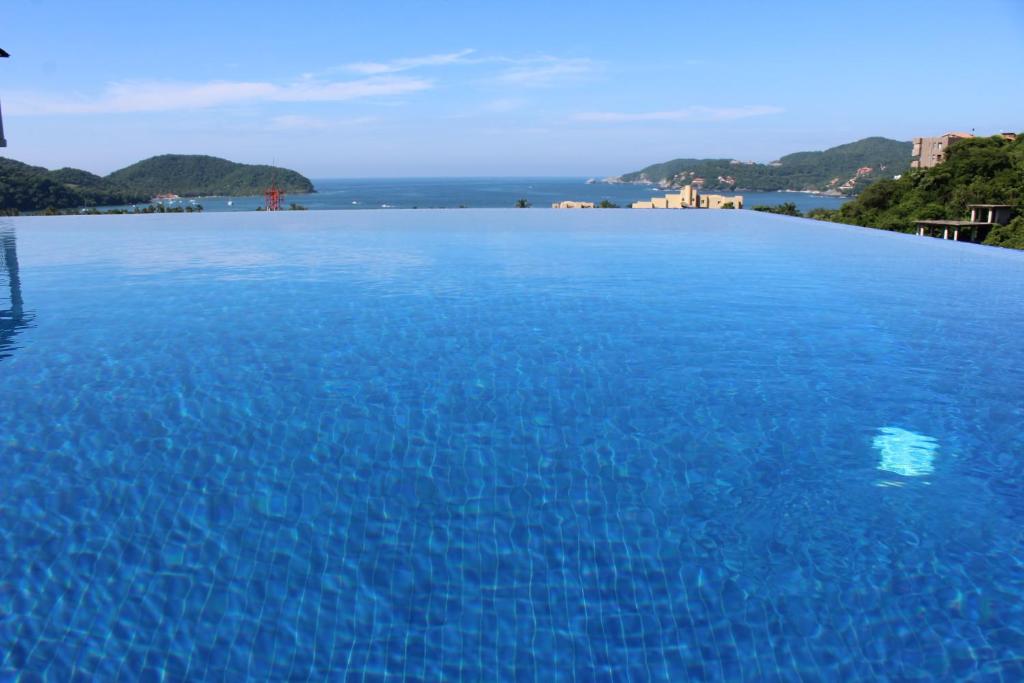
847 169
191 175
34 188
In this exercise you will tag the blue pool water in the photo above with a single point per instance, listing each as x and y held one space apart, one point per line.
483 445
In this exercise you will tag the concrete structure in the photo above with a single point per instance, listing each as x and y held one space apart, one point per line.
690 198
984 217
573 205
931 152
997 214
3 143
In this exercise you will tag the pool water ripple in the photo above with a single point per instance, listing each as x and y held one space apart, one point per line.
490 445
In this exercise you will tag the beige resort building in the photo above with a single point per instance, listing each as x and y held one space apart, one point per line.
690 198
573 205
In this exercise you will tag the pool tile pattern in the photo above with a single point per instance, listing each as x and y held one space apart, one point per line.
501 445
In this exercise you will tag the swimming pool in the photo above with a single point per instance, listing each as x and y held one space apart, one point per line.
508 445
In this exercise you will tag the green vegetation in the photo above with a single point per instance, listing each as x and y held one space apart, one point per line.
522 204
831 169
190 175
25 188
605 204
151 208
1010 236
786 209
976 171
33 188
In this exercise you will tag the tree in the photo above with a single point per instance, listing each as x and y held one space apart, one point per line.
976 171
1010 235
820 214
522 204
605 204
786 209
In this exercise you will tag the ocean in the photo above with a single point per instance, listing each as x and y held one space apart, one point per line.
481 193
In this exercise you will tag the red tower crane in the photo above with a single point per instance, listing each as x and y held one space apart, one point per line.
272 198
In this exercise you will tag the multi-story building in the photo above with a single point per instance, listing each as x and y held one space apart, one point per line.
718 201
931 152
690 198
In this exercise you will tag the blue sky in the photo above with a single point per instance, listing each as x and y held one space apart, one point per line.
391 88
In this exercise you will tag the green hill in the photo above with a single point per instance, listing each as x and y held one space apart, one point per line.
33 188
976 171
847 168
77 178
25 188
191 175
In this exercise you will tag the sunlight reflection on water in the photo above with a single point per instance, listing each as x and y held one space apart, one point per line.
906 453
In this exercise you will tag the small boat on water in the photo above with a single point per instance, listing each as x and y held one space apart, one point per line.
230 203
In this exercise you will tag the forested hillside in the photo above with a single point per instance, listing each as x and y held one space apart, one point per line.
976 171
191 175
25 188
33 188
847 168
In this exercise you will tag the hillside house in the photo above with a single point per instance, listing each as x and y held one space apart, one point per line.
931 152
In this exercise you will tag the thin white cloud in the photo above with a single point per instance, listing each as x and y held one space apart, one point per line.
535 71
544 71
695 113
315 91
157 96
396 65
301 122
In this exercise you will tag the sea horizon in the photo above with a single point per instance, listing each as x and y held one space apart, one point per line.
479 192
